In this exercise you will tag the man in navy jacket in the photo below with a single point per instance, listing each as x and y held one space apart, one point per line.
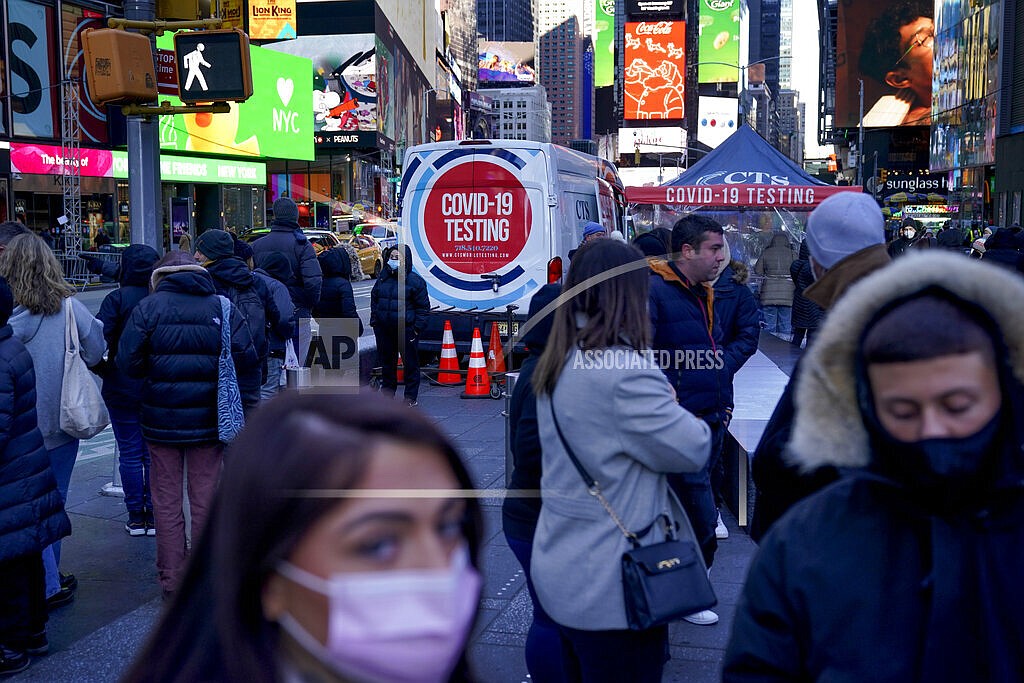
696 363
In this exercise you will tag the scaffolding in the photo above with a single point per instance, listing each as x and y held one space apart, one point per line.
70 239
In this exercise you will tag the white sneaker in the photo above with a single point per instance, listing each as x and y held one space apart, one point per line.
721 531
703 618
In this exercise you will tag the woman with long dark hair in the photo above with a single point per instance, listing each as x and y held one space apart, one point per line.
601 391
304 573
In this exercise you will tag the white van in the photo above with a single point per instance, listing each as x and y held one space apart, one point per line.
491 221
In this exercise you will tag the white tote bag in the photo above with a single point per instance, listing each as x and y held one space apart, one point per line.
83 414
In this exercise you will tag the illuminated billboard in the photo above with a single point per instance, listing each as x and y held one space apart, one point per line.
662 139
890 47
271 19
604 44
655 60
644 9
717 119
506 63
719 41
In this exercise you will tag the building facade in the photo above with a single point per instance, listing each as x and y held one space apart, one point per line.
505 20
520 113
791 124
561 46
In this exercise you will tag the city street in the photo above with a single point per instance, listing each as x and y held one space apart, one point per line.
118 600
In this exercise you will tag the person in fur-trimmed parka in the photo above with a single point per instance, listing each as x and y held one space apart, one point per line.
909 567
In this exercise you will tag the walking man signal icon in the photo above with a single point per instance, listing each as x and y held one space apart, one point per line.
193 61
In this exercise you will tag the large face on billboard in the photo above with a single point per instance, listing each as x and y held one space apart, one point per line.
889 46
655 70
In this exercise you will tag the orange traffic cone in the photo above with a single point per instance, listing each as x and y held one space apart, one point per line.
449 358
400 374
495 353
478 382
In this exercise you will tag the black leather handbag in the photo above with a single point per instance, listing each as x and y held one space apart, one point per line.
661 582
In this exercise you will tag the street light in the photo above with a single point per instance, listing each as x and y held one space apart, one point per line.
743 77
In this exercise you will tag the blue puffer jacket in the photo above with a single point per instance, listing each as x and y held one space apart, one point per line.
120 390
173 342
737 315
683 320
31 510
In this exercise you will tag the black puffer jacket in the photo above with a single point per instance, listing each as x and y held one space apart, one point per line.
385 298
737 314
806 313
120 390
288 240
173 342
893 573
233 279
519 514
1002 248
31 510
336 297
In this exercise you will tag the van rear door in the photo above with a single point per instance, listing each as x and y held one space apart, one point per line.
476 220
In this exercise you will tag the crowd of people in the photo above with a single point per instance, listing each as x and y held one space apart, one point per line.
890 480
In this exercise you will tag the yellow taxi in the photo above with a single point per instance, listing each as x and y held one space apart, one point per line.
370 258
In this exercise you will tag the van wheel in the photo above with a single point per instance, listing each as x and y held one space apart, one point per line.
377 268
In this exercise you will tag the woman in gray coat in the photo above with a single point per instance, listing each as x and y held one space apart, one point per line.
777 290
620 416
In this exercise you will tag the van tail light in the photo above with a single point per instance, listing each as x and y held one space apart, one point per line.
555 270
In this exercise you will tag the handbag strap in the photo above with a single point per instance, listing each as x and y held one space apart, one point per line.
70 327
592 486
225 325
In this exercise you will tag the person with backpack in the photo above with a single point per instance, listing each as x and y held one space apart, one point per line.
215 251
121 393
287 239
275 271
172 341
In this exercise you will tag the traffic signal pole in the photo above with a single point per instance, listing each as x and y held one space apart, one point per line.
145 204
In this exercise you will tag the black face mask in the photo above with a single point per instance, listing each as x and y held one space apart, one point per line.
953 468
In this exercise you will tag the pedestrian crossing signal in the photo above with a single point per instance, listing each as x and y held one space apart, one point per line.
119 67
213 66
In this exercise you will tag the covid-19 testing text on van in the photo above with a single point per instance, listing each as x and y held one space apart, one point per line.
490 222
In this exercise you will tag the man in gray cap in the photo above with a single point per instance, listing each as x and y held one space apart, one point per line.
287 239
846 240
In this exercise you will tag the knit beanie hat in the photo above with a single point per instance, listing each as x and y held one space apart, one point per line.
842 225
592 228
215 244
286 211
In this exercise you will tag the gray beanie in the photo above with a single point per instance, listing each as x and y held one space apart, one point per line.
286 211
842 225
215 244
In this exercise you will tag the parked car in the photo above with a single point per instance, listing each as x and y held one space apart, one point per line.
385 234
320 239
371 259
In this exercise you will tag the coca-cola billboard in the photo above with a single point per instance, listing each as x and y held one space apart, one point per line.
655 70
668 9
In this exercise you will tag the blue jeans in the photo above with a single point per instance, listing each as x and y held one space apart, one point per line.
273 383
133 458
543 641
778 319
62 461
695 493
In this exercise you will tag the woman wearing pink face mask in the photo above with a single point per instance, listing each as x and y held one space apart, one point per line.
306 574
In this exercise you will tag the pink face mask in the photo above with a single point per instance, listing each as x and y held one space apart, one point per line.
392 626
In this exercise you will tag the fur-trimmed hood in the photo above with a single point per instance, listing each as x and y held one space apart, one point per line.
828 428
198 273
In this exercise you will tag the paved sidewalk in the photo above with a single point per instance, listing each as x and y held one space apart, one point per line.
96 637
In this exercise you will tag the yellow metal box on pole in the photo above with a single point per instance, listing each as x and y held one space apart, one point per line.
119 67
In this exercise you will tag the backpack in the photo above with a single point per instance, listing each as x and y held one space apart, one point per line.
254 312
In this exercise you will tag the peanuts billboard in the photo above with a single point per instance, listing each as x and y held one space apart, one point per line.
655 79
